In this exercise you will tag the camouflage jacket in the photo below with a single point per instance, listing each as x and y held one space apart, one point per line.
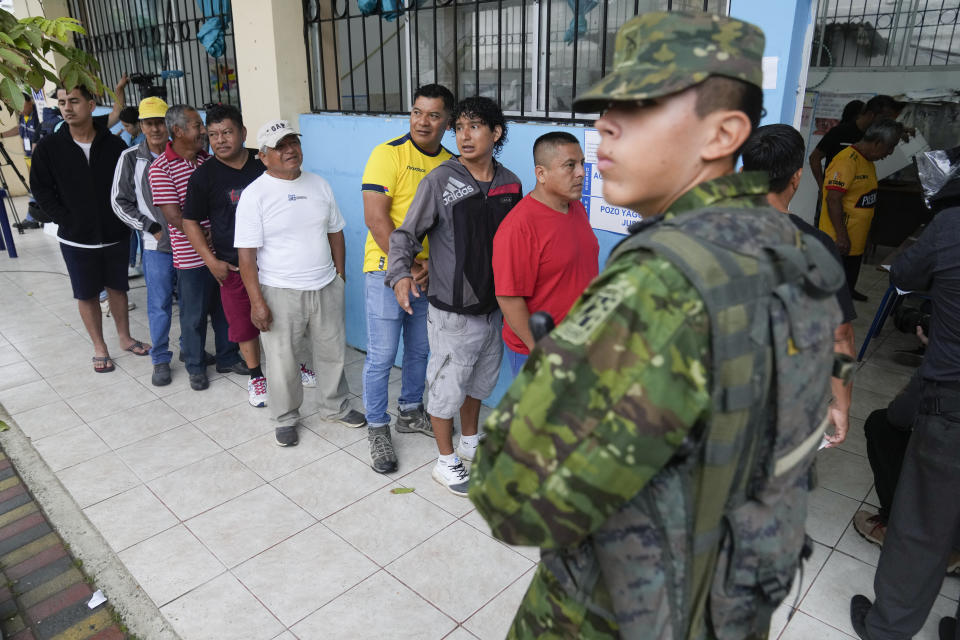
629 365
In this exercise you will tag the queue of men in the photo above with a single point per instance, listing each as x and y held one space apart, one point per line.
657 441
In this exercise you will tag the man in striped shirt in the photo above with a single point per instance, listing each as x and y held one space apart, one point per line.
198 291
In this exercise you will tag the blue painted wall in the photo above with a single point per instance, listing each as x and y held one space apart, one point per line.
337 146
785 27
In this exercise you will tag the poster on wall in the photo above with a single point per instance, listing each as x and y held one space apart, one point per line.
603 215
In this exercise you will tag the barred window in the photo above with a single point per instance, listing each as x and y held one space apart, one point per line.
153 36
886 33
531 56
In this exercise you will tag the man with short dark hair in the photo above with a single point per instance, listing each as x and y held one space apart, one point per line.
130 120
291 251
390 179
71 177
778 150
198 292
545 252
850 195
656 446
458 207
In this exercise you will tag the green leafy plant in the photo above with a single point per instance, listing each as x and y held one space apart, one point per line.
24 44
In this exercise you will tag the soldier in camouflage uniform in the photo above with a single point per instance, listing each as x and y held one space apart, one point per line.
643 447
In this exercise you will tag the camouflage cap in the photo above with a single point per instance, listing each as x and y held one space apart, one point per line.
661 53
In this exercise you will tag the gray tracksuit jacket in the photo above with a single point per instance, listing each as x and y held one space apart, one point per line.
460 218
132 199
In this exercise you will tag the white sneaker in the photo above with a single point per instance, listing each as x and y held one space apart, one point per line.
455 477
257 391
466 452
307 377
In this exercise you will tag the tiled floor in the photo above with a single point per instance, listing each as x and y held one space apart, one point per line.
234 537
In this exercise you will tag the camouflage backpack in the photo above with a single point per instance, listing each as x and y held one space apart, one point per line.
730 509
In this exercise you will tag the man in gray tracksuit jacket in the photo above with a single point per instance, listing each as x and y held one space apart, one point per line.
459 206
132 202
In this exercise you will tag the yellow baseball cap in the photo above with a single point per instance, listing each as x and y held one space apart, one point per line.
152 107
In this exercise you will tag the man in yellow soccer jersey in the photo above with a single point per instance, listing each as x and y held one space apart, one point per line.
850 195
390 181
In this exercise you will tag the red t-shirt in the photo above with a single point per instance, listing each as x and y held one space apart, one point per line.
545 256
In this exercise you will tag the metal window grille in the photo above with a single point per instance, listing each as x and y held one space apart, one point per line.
887 33
150 36
532 56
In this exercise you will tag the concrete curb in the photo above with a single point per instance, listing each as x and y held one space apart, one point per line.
100 562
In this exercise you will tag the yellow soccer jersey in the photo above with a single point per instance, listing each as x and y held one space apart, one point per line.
395 168
856 177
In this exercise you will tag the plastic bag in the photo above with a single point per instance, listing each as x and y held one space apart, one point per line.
936 169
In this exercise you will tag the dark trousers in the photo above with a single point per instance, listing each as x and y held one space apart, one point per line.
200 297
851 267
924 522
888 432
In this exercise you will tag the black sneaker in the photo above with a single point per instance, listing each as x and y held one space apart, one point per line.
859 297
237 367
208 359
199 381
353 419
161 374
859 608
27 224
384 458
286 436
414 421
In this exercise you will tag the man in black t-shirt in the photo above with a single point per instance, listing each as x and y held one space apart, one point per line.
778 149
846 133
212 194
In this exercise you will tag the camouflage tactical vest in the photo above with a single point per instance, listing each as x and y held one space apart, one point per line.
710 546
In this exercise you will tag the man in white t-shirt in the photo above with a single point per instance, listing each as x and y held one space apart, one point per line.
290 246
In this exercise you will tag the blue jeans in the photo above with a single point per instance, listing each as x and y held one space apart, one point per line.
385 320
200 297
516 360
161 278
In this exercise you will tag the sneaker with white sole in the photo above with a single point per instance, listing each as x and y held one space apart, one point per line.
466 452
307 377
870 526
414 420
455 477
257 391
353 419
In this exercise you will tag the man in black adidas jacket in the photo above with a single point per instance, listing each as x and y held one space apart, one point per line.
71 176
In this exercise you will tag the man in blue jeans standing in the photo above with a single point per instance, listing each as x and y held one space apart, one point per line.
132 201
390 181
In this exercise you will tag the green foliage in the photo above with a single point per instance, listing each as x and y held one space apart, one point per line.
24 45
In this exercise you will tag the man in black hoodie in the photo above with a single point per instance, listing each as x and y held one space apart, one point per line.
71 177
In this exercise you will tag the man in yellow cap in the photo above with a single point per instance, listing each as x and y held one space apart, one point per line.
657 444
133 203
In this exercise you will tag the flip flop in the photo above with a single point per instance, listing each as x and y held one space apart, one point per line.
102 364
138 348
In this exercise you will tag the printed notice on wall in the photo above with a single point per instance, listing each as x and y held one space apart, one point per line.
603 215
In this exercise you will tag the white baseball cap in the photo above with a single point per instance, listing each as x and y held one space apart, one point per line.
273 132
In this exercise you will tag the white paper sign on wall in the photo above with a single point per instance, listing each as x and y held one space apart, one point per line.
603 215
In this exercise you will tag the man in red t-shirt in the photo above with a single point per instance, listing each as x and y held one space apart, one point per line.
544 253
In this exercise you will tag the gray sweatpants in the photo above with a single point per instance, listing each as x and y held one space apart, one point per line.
313 319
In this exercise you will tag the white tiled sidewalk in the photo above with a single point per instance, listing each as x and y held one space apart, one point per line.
234 537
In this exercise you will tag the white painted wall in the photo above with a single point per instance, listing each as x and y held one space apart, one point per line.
891 81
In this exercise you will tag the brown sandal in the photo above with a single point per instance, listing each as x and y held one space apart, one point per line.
103 364
138 348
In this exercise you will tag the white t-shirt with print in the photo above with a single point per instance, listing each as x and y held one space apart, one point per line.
287 221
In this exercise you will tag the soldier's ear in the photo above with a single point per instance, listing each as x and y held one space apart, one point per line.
726 131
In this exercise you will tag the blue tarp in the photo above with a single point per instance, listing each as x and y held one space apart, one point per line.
211 33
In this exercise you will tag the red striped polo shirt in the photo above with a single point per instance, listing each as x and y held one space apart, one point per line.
169 175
